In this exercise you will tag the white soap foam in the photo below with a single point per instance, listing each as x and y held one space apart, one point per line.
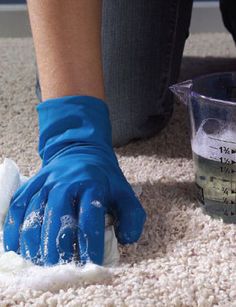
10 181
208 145
16 272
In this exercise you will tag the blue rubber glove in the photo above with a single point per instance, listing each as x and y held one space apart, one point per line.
59 214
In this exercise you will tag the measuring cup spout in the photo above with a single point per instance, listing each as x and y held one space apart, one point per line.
182 90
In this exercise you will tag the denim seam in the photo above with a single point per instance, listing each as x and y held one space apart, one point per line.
169 58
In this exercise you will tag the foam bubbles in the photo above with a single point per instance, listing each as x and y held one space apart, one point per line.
215 139
10 181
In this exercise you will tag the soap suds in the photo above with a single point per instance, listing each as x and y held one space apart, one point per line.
17 273
96 203
32 220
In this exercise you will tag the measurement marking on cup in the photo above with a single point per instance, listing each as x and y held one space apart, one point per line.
215 174
224 150
234 194
213 158
227 161
227 168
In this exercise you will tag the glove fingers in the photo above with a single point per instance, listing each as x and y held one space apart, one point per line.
130 217
13 222
28 189
11 230
92 225
18 192
59 228
30 236
16 212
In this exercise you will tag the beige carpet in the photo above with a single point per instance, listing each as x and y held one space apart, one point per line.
184 258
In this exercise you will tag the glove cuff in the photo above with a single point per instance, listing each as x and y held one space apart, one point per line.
72 120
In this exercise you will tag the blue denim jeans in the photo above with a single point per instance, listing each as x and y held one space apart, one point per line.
228 11
143 42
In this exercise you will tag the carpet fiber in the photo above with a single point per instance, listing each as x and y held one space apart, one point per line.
184 258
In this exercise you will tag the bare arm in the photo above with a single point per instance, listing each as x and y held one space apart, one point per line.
67 39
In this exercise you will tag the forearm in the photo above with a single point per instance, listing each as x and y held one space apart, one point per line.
67 39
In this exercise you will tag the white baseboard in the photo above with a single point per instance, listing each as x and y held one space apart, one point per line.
14 20
206 17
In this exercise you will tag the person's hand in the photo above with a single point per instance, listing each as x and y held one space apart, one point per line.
59 214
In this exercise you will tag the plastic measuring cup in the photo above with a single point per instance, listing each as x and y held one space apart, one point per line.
211 102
